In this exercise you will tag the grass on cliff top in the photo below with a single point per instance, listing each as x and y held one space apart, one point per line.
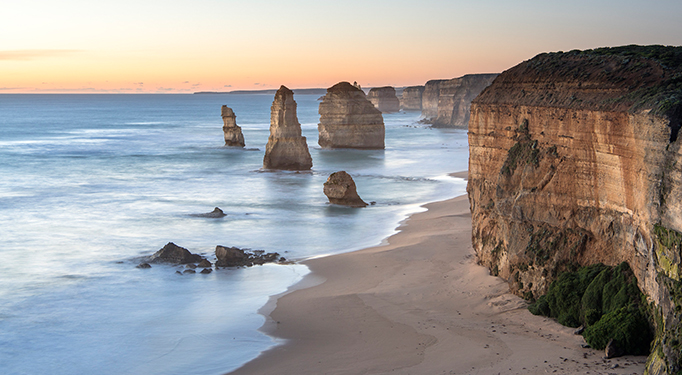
668 56
605 300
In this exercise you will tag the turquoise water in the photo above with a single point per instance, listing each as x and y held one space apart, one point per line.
91 181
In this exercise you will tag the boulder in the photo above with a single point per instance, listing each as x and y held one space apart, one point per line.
143 265
612 350
384 99
172 253
206 271
340 189
217 213
233 133
204 264
286 148
349 120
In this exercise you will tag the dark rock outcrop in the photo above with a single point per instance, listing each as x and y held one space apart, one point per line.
236 257
340 189
217 213
143 266
575 160
384 99
233 133
286 148
174 254
411 99
349 120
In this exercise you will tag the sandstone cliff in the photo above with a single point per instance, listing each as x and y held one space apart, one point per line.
455 98
349 120
286 148
574 160
411 99
430 98
384 99
233 133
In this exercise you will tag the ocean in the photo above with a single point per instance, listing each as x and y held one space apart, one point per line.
91 182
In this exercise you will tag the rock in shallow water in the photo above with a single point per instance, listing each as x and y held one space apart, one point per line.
174 254
340 189
236 257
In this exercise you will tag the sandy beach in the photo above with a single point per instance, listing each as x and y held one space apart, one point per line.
418 305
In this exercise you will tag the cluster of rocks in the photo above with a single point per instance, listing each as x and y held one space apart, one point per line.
172 254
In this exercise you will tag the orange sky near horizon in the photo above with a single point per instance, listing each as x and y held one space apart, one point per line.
180 46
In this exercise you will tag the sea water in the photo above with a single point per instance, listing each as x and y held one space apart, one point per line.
90 182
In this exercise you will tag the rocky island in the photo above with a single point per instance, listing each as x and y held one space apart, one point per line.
575 161
349 120
384 99
233 133
286 148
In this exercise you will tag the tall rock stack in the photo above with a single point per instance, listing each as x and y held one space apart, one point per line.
384 99
286 148
233 133
411 99
455 96
349 120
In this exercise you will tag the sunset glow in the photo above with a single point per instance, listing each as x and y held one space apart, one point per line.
210 45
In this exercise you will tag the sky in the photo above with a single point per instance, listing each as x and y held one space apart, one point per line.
181 46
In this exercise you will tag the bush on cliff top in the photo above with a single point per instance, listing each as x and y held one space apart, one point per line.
604 299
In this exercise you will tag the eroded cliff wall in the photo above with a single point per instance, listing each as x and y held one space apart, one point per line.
454 99
574 160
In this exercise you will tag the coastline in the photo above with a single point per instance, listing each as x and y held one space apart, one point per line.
417 305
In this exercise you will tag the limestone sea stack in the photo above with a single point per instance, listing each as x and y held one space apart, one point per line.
349 120
233 133
340 189
411 99
286 148
576 159
384 99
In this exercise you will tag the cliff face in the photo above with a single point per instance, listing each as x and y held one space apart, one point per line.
411 100
349 120
430 98
286 148
233 133
384 99
574 160
455 98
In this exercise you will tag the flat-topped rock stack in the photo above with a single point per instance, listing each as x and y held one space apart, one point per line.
287 148
349 120
384 99
233 133
411 99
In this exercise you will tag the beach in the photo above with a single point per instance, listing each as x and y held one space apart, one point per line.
418 304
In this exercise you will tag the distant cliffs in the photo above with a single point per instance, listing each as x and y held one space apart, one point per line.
349 120
286 148
575 160
445 103
384 99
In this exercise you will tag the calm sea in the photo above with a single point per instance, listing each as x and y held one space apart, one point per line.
89 182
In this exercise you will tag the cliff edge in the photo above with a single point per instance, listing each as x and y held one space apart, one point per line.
575 160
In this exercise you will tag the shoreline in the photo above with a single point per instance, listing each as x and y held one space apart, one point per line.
418 304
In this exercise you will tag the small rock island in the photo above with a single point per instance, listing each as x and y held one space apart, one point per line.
233 133
286 149
340 189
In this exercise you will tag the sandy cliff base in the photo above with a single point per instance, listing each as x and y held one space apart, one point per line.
420 305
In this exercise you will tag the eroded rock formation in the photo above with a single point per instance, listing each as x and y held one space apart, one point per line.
384 99
455 98
286 148
340 189
411 99
349 120
574 160
430 98
233 133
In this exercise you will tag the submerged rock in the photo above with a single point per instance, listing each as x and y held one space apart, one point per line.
286 148
174 254
384 99
233 133
349 120
204 264
340 189
236 257
217 213
143 265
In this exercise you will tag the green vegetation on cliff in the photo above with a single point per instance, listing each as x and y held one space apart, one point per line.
606 301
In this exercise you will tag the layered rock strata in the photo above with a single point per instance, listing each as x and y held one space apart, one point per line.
430 98
349 120
454 99
233 133
411 100
286 148
574 160
340 189
384 99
